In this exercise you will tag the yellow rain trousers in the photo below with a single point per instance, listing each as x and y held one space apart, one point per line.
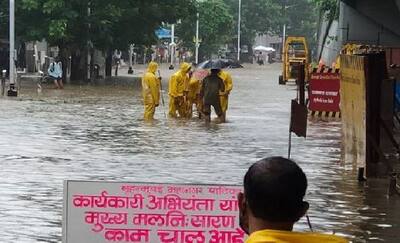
178 86
224 96
276 236
194 97
151 91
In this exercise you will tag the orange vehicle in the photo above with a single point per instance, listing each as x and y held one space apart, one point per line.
295 52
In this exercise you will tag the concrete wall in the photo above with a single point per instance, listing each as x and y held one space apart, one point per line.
332 45
371 22
361 21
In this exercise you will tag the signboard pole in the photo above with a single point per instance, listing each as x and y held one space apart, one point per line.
12 91
197 39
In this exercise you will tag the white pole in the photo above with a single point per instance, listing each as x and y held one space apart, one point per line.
197 39
239 20
172 44
12 41
130 55
283 40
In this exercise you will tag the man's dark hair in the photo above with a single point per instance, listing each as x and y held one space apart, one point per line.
274 188
215 72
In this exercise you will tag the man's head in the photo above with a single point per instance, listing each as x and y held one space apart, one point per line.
274 189
152 68
185 67
215 71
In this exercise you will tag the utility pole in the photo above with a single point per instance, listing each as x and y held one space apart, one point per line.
12 91
283 40
197 39
172 47
130 71
239 20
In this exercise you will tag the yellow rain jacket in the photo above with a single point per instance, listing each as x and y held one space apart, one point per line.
178 85
194 96
276 236
151 91
224 96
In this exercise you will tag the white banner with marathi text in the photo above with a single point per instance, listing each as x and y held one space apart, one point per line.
142 212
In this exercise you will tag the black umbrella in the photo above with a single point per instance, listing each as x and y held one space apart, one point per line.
232 63
212 64
219 64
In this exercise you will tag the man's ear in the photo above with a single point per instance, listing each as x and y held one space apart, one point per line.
243 213
304 209
241 201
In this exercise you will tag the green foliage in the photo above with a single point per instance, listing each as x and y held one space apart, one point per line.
329 8
110 23
259 16
215 28
300 17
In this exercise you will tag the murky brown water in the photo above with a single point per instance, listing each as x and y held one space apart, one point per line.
97 133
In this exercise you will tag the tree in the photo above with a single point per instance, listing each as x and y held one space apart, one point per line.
80 26
257 17
301 19
215 28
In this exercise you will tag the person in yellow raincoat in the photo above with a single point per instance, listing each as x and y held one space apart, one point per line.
272 202
224 96
194 97
178 85
151 91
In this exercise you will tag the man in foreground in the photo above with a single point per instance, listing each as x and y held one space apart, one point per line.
272 203
151 91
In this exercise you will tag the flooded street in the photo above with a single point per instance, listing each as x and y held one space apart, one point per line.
97 133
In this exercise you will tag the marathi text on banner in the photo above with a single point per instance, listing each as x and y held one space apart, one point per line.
121 212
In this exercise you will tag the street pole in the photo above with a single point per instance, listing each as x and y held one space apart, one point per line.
172 47
12 41
197 39
283 41
130 70
239 20
12 91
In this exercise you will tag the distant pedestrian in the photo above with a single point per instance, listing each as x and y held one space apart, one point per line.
151 91
211 87
55 72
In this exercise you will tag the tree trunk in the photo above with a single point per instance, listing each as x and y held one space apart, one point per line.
92 74
109 64
77 73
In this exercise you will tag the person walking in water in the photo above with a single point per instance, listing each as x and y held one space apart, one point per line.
151 91
178 86
224 96
273 201
211 87
55 72
194 97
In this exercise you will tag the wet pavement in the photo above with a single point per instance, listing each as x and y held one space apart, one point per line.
97 133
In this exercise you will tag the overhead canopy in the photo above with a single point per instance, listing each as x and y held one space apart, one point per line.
264 48
163 33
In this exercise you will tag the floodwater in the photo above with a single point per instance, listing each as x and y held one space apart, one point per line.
97 133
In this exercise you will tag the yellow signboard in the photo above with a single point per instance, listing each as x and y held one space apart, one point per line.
353 108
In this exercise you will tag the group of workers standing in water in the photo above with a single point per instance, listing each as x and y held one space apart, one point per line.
186 90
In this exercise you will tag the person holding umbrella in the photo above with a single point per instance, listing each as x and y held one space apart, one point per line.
211 87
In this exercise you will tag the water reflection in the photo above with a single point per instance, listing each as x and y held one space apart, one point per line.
97 133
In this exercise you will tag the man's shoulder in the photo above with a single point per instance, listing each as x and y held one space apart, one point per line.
277 236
